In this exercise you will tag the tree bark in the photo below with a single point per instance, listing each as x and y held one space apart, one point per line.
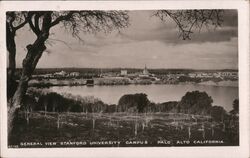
11 47
33 55
29 64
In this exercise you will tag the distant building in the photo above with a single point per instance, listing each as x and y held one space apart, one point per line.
124 72
43 76
217 75
145 71
229 74
90 82
61 73
74 74
192 75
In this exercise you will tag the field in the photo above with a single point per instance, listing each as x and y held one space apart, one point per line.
37 129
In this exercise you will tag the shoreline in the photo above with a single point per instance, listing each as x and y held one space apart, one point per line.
221 83
78 82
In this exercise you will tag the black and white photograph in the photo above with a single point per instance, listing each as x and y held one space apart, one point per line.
102 78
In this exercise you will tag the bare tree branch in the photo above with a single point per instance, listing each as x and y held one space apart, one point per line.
32 26
21 25
61 18
91 21
16 20
36 22
58 40
188 20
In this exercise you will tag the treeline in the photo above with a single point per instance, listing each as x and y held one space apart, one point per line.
191 103
113 70
95 71
54 102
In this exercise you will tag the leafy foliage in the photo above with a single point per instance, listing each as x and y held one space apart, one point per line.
218 113
195 102
53 102
138 101
235 107
170 106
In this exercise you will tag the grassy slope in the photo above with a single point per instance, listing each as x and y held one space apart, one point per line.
115 127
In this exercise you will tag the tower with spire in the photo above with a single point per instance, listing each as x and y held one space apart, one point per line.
145 70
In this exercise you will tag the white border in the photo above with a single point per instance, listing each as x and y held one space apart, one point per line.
221 152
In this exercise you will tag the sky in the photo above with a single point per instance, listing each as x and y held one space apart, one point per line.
147 41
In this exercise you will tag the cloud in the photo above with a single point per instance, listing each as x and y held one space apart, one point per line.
230 18
155 54
154 29
147 40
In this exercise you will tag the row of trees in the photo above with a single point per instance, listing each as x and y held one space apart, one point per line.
191 103
194 102
41 23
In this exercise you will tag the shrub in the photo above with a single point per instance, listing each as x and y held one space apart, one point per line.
170 106
139 100
218 113
235 110
195 103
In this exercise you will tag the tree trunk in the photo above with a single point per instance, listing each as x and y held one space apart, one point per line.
11 47
34 53
29 63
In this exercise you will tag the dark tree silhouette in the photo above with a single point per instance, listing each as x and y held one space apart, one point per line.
14 22
41 22
235 107
218 113
136 101
195 103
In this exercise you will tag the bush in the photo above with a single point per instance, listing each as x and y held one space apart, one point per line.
218 113
170 106
139 101
54 102
235 110
111 108
29 103
195 103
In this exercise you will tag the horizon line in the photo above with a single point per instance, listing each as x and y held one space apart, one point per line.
129 68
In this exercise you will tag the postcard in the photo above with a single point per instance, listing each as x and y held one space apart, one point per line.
125 78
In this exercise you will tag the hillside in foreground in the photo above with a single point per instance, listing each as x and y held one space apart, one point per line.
104 130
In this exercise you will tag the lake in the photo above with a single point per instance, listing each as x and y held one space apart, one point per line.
222 96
